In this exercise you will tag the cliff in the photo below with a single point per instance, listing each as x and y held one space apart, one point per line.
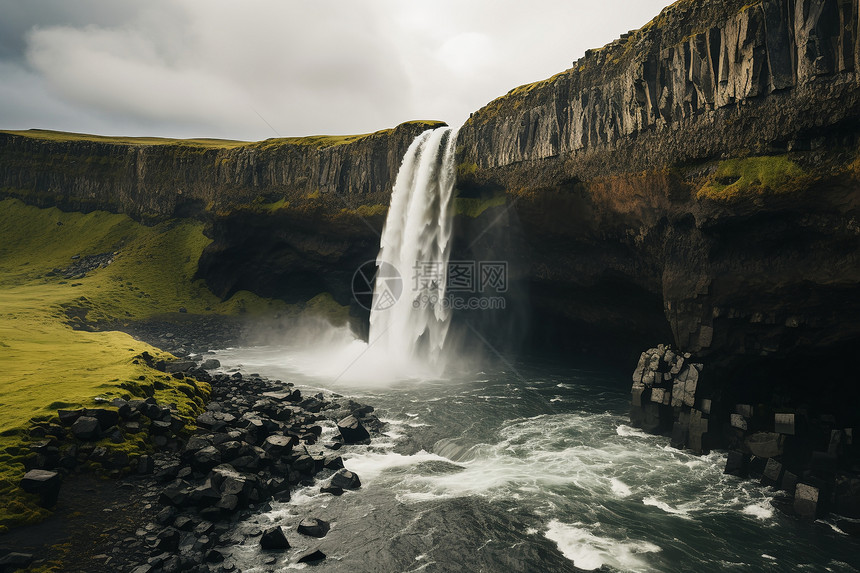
699 173
694 180
153 178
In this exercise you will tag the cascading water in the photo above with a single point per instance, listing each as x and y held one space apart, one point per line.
414 249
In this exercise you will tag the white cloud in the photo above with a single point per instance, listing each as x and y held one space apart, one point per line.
192 68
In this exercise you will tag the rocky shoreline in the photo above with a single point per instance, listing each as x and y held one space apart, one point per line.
805 453
256 440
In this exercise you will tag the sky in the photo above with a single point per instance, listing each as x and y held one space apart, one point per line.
255 69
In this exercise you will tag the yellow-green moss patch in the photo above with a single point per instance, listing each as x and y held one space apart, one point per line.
744 177
473 207
46 364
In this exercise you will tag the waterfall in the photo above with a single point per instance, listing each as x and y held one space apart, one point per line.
408 319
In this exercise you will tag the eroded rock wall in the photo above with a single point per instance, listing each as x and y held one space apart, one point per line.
159 180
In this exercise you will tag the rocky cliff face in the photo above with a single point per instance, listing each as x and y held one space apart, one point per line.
156 179
699 173
701 80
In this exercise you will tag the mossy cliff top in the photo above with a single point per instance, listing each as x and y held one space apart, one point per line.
153 179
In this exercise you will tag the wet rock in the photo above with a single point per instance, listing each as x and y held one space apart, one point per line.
352 431
806 501
737 464
772 475
274 539
44 483
210 364
344 479
765 444
86 428
312 557
313 527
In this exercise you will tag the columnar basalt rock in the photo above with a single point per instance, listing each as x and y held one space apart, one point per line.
694 82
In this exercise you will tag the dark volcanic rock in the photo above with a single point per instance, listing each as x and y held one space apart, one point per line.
86 428
312 557
274 539
44 483
314 527
352 430
344 479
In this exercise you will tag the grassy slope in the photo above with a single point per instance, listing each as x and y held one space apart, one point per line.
44 363
317 141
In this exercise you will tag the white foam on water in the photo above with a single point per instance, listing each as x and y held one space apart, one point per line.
662 505
619 488
759 511
627 432
590 551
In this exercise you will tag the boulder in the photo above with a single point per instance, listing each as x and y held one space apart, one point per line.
772 475
69 417
44 483
106 418
168 540
344 479
86 428
806 501
313 527
206 459
737 463
765 444
279 445
312 557
274 539
352 431
179 366
210 364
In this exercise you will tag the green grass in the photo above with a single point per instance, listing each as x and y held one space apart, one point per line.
751 176
45 364
64 136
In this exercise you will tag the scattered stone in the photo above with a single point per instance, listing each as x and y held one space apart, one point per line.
737 464
352 431
344 479
313 527
312 557
765 444
274 539
806 501
44 483
86 428
772 475
210 364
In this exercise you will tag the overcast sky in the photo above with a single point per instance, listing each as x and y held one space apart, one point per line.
255 69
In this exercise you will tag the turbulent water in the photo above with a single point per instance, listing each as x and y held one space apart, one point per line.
407 321
533 470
